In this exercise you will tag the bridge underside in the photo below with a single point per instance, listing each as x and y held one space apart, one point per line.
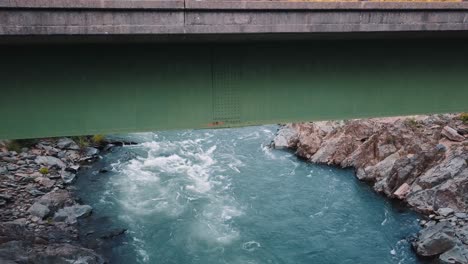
55 90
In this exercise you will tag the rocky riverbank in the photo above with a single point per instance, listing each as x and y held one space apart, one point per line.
38 213
421 160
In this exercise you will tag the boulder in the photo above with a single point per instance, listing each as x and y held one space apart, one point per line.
54 200
456 255
452 134
67 176
44 181
67 143
66 253
445 211
39 210
90 151
285 138
50 161
435 240
70 214
402 191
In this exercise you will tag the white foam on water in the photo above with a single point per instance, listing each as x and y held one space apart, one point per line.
175 178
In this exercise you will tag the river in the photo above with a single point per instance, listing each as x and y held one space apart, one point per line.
224 196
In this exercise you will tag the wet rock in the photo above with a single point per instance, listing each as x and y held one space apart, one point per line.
67 176
67 143
73 168
452 134
90 151
70 214
50 161
66 253
284 138
435 240
113 233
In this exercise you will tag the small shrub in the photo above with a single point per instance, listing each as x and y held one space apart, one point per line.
98 139
412 122
18 144
13 146
82 141
44 170
464 117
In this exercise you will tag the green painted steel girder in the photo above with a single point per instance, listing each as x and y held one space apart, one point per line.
57 90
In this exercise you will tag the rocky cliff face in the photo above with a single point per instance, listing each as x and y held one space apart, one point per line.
421 160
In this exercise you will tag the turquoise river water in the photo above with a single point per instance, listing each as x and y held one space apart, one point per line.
224 196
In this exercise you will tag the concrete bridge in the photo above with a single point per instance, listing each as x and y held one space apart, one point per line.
85 67
200 17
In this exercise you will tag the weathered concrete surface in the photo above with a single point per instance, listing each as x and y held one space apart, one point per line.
191 17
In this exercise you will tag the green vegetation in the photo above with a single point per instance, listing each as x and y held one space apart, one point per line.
82 141
18 144
98 139
412 122
44 170
464 117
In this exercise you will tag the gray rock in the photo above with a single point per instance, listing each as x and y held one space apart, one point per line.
284 137
386 150
435 240
67 143
445 211
72 213
6 197
66 253
456 255
55 200
461 215
12 167
90 151
452 134
44 181
3 170
67 176
49 161
39 210
35 192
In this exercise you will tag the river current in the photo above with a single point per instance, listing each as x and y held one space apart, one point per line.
223 196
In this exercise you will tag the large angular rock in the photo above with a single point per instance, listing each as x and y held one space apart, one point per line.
435 240
70 214
67 143
39 210
452 134
66 253
456 255
67 176
285 138
50 203
49 161
445 211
